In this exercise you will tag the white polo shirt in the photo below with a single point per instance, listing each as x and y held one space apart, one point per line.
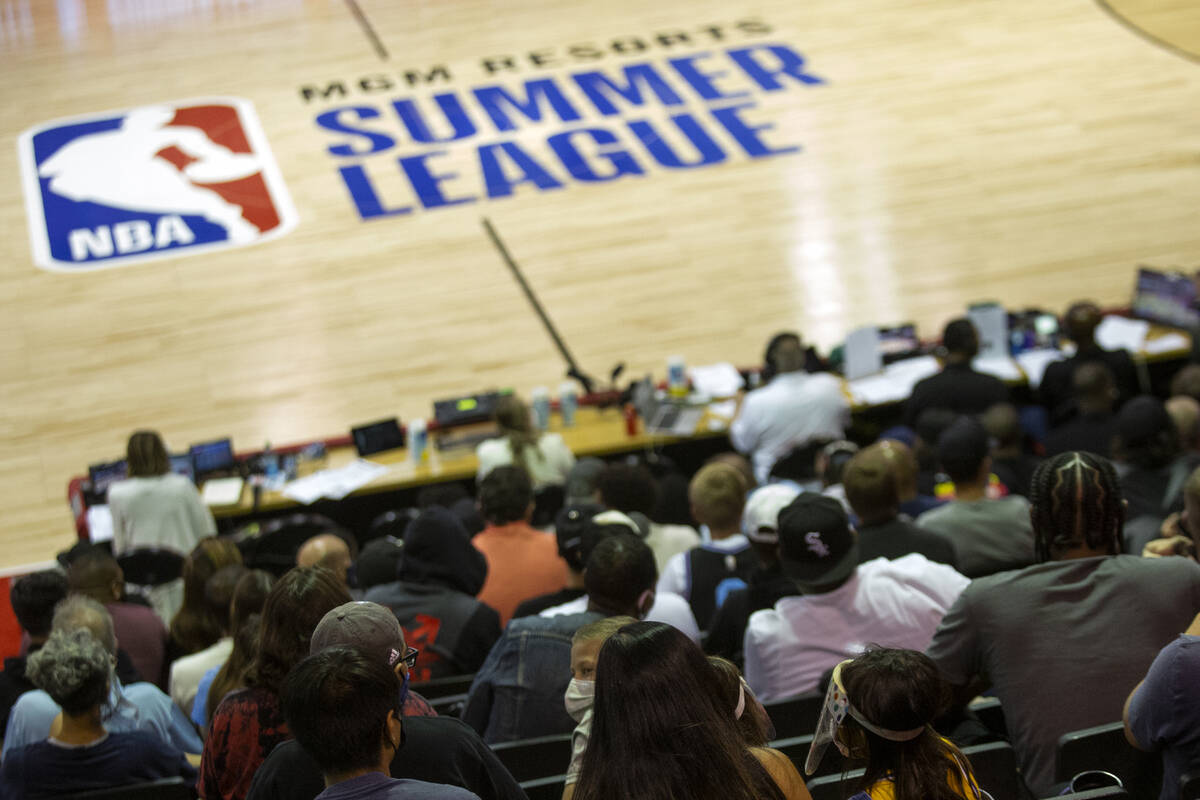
896 603
790 411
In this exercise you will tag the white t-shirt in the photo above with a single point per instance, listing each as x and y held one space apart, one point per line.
790 411
896 603
668 540
669 608
186 672
548 464
159 511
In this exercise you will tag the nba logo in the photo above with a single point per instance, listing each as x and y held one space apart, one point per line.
158 181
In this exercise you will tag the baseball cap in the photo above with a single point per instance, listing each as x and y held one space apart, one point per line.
367 626
817 546
760 520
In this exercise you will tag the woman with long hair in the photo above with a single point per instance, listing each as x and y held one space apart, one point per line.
155 507
249 723
663 728
880 708
249 597
545 456
194 627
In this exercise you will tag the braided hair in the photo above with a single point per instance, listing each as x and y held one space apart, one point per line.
1077 502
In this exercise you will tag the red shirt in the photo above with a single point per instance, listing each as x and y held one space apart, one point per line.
522 563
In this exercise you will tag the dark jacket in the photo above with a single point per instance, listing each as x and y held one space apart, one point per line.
957 388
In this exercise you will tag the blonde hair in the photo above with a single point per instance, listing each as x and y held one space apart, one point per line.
601 629
512 417
718 494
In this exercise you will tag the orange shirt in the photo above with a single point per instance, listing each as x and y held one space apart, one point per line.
522 563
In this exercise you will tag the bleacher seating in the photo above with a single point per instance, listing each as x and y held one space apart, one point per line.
273 547
539 757
1106 793
550 788
449 705
1104 748
151 566
797 715
994 766
165 789
437 688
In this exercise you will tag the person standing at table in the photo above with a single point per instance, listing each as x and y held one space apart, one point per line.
545 456
155 507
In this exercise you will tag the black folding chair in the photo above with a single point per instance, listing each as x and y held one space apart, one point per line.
834 787
550 788
1104 748
995 768
1107 793
165 789
436 688
797 715
539 757
1189 786
449 705
274 545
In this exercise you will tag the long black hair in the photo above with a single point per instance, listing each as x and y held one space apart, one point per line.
662 726
900 690
1076 501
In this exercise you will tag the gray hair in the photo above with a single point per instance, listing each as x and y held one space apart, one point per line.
77 612
73 668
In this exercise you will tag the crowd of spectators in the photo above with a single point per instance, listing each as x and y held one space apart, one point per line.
1040 549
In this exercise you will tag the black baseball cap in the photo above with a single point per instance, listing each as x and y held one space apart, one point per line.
817 546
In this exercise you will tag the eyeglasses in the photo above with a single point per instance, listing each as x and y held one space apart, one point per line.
410 657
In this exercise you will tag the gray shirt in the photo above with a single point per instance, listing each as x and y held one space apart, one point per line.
1062 643
988 536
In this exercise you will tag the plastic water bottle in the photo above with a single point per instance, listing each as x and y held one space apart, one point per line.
270 462
541 407
417 440
677 385
568 401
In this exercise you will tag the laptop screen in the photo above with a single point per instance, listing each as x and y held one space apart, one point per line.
106 474
1165 297
212 456
378 436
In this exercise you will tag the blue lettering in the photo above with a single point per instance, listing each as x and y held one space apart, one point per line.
427 184
493 99
703 82
709 152
452 111
791 64
623 163
377 142
597 86
498 183
363 194
747 134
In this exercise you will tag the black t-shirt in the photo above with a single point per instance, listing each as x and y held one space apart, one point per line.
899 537
957 388
436 749
1057 391
1016 473
536 605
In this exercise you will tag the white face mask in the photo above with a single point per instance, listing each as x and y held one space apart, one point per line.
578 698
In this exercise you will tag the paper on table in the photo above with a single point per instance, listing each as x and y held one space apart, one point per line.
1167 343
861 353
222 491
895 383
991 321
1001 367
334 483
716 380
1120 333
1034 362
724 409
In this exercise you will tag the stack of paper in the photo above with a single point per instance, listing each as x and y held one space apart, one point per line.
334 483
1120 333
895 383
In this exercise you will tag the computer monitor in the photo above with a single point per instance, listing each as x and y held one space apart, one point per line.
378 436
1168 298
215 456
181 464
105 474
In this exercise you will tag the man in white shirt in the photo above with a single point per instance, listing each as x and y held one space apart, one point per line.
792 410
843 606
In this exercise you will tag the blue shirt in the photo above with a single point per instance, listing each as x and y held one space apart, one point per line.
518 692
136 707
377 786
200 704
52 769
1165 712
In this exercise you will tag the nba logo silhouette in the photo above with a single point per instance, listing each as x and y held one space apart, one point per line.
118 188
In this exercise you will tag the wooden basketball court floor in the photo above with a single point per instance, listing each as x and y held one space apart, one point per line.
946 152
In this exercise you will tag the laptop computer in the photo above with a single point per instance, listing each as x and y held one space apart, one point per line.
377 437
1168 298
